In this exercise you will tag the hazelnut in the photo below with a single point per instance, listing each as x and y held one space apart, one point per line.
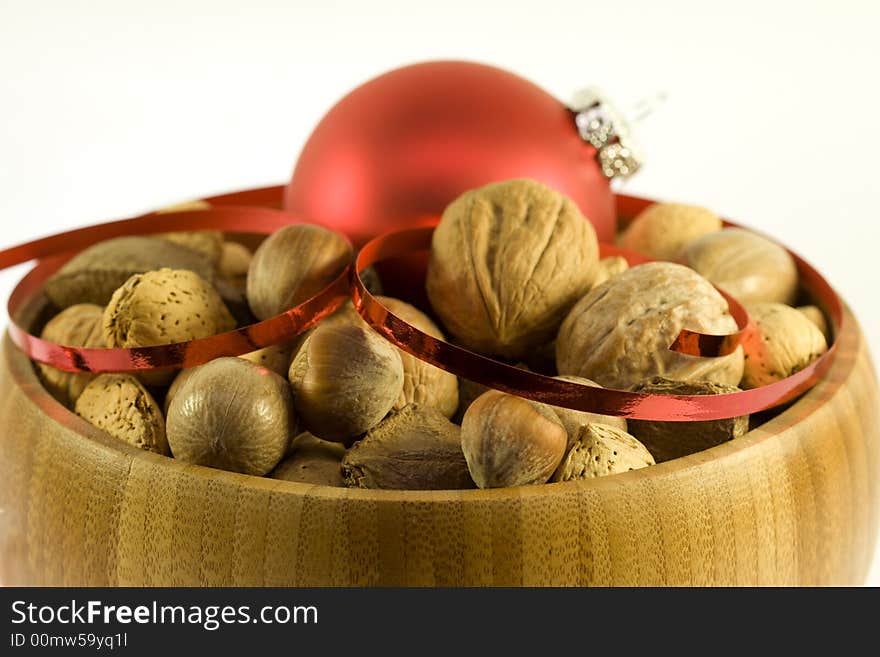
292 265
345 379
423 383
415 448
507 262
601 450
121 406
511 441
311 460
747 266
573 420
176 384
662 230
670 440
784 343
609 268
93 275
815 315
75 326
233 415
618 335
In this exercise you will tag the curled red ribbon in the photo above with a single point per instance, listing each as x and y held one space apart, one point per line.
538 387
55 250
254 211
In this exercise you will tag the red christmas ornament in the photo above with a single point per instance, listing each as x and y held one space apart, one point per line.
399 148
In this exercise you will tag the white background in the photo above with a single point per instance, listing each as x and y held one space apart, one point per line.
108 109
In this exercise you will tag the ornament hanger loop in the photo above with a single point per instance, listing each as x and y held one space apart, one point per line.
601 125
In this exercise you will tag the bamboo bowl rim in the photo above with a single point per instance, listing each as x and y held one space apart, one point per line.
849 339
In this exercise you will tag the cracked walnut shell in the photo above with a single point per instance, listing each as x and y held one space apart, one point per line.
507 262
618 335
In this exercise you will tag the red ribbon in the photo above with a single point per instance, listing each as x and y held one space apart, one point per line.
54 251
531 385
253 211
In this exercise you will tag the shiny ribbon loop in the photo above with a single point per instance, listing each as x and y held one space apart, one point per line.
55 250
538 387
254 211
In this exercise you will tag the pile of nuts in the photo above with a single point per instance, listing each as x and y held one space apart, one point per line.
514 273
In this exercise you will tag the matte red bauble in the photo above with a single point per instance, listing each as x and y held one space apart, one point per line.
399 148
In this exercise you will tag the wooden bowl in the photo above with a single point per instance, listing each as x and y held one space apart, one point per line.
795 501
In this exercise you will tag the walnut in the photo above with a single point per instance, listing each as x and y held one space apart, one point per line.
747 266
670 440
786 341
415 448
662 230
618 335
76 326
600 450
507 262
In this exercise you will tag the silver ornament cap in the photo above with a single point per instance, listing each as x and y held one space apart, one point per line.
602 126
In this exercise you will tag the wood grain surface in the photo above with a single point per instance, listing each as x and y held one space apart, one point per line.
793 502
